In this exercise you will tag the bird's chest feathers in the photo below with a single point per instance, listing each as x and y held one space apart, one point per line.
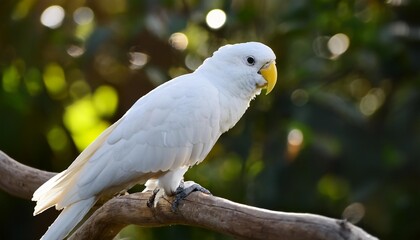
232 110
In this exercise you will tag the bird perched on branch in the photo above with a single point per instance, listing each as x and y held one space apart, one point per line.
164 133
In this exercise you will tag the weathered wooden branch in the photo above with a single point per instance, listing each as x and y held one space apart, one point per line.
218 214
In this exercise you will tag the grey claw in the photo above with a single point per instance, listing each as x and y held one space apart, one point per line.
151 201
182 192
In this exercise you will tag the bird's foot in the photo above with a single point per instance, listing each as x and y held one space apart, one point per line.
154 199
184 189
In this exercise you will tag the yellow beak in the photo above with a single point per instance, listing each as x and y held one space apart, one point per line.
270 75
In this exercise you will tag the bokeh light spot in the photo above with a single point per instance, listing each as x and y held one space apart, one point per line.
400 29
178 41
33 81
216 18
57 139
54 80
295 137
359 87
192 62
255 168
397 2
354 212
338 44
138 60
177 71
79 89
53 16
75 51
331 47
83 31
83 15
105 100
11 79
370 103
80 115
83 122
294 143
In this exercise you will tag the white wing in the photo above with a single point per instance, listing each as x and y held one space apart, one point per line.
175 125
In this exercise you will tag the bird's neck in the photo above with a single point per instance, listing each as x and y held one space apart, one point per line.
235 94
232 110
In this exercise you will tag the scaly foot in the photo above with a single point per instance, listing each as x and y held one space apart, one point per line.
185 189
156 195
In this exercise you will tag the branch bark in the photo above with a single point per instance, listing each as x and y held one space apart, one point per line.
214 213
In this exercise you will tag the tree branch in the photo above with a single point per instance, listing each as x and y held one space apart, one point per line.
214 213
20 180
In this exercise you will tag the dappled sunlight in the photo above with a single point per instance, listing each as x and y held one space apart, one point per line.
358 87
354 212
84 116
331 47
174 72
294 143
138 60
338 44
55 81
83 121
179 41
198 39
83 16
216 18
83 139
192 62
57 139
33 81
400 29
83 31
80 115
295 137
75 51
10 79
372 101
53 16
79 88
397 2
105 100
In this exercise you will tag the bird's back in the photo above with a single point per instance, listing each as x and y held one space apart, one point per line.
173 126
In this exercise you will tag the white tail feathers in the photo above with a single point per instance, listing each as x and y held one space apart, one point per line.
68 219
44 195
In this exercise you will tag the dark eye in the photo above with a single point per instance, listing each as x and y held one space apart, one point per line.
250 60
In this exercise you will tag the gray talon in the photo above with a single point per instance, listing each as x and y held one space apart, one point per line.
151 201
182 192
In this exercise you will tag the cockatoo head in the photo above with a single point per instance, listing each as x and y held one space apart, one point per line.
247 67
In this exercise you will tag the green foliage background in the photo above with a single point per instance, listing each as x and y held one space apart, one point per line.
358 111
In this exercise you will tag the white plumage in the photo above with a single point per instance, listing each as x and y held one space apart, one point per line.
163 134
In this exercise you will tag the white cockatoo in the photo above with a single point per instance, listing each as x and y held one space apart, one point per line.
164 133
